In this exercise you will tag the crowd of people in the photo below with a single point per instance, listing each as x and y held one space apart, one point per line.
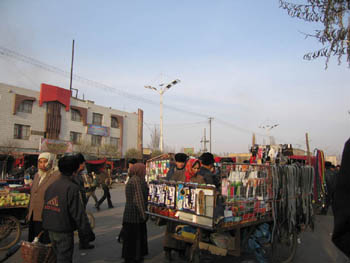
59 198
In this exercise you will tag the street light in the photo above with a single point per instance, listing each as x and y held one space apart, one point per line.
161 90
268 128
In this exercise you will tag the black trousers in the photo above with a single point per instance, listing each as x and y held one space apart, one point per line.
106 194
135 245
63 246
34 229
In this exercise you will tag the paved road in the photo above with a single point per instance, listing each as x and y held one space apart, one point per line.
314 246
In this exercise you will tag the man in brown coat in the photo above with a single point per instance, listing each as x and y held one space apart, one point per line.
42 180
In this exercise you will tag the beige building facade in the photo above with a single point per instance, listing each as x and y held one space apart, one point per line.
32 120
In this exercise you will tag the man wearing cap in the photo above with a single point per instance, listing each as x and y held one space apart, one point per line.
64 211
177 171
207 161
42 180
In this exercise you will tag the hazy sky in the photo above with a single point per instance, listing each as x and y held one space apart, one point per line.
240 62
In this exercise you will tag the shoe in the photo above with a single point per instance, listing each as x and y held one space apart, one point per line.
110 206
97 206
86 246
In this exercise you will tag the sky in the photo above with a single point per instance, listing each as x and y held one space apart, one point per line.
239 62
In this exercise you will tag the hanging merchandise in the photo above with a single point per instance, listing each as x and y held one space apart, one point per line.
158 167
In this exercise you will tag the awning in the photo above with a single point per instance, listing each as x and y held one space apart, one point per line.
96 161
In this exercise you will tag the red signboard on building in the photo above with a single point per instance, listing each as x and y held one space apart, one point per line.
53 93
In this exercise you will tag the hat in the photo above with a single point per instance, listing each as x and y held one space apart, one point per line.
180 157
80 158
133 161
207 158
328 164
68 165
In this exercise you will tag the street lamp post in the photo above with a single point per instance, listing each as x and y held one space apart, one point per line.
161 90
268 128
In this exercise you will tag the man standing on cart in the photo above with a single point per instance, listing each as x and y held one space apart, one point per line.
207 161
176 173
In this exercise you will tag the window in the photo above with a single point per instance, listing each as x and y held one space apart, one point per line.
114 142
96 140
114 122
21 132
75 137
26 106
97 119
75 115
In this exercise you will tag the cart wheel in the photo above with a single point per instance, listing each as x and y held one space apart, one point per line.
284 246
91 219
10 231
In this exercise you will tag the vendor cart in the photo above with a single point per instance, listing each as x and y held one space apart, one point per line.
260 209
13 211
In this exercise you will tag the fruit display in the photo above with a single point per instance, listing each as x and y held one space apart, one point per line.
14 200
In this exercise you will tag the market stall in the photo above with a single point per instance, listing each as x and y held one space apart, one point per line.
275 200
13 210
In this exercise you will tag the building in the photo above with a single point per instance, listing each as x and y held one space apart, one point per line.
52 120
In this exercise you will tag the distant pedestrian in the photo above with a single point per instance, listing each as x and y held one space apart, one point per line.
103 180
64 211
135 245
90 184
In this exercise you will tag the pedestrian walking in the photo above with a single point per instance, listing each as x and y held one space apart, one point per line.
42 180
64 211
103 180
135 245
90 184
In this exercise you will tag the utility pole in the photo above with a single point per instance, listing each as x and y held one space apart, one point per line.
204 141
308 148
210 118
71 69
161 90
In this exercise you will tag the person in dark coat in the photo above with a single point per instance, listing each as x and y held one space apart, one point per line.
78 178
341 231
135 245
331 179
176 173
64 211
102 179
207 161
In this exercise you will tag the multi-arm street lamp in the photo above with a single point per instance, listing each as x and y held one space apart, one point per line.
161 90
268 128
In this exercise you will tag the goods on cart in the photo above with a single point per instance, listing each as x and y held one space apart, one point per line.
14 200
158 167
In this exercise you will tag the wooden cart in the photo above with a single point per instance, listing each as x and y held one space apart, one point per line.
12 219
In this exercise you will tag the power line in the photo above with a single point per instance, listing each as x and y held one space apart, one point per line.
15 55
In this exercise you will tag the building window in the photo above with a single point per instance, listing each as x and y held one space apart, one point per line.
75 115
114 142
21 132
26 106
75 137
96 140
97 119
114 122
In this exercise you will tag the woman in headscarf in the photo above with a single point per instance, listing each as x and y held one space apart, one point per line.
42 180
191 172
135 245
341 231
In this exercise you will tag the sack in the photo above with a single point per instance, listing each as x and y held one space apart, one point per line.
33 252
